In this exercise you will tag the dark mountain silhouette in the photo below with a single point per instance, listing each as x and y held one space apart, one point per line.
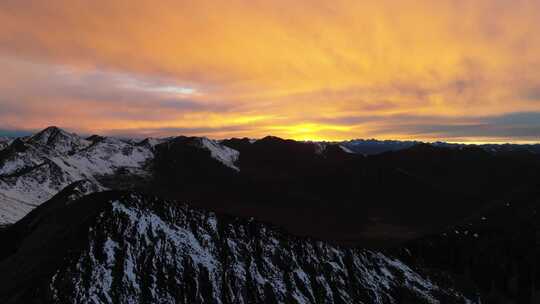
495 250
323 191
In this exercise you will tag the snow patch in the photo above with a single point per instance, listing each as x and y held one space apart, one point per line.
345 149
224 154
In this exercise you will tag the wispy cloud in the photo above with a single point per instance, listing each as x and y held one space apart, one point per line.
356 68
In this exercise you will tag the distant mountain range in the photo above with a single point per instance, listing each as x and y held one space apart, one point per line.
394 196
373 146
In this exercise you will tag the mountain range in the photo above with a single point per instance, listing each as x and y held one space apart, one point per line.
103 220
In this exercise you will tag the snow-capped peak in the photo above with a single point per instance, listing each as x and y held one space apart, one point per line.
49 135
59 140
34 169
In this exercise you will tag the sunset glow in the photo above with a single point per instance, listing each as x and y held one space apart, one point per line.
312 70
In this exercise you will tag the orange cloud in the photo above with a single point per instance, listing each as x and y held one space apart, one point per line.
252 68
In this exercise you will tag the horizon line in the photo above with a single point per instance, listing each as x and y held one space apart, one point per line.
476 141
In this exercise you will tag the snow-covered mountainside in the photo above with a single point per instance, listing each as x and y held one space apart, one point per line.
224 154
120 247
35 168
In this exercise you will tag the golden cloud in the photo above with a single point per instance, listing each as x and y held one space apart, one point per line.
266 67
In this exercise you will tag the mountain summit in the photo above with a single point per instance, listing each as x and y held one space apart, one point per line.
59 140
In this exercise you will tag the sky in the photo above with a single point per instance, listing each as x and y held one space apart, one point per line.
454 70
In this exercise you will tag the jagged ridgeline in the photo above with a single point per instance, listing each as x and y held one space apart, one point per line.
122 247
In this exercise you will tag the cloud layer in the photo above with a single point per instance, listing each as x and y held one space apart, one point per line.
449 69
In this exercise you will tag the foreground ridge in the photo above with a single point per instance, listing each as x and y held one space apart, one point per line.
141 249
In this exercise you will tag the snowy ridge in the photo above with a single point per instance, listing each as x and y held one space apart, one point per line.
147 250
345 149
152 142
34 169
321 147
224 154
